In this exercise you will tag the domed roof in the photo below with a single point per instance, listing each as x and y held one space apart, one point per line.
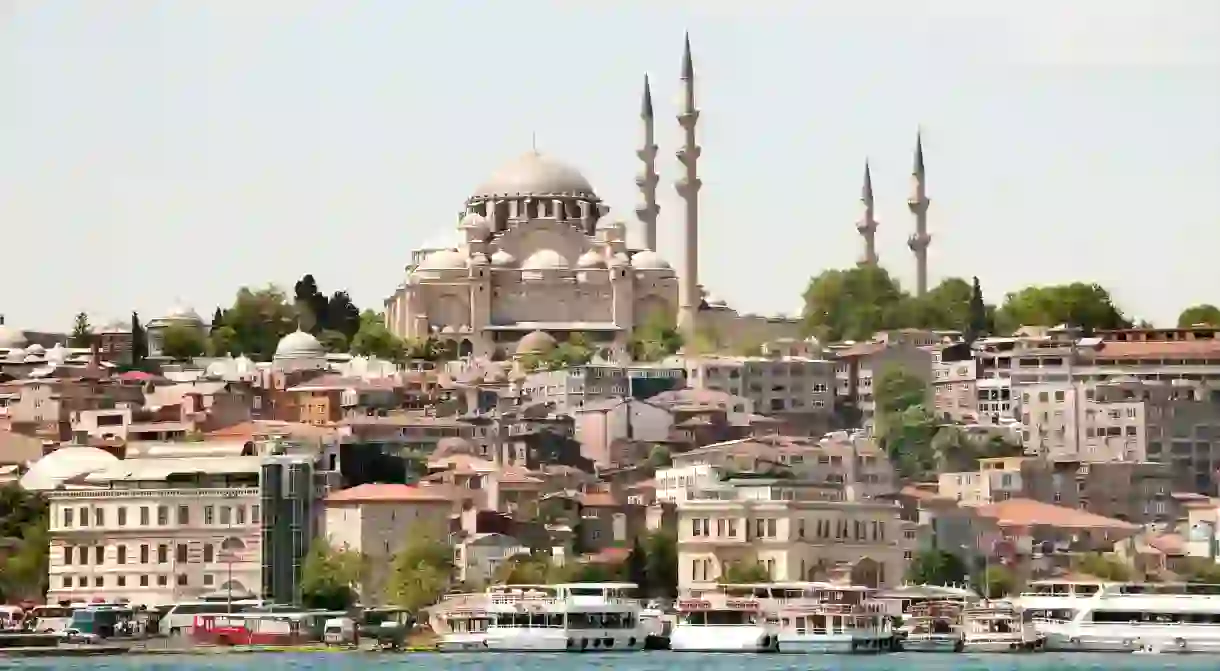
590 259
448 447
536 342
182 313
299 345
649 260
533 174
11 338
64 464
444 259
477 222
545 259
502 258
36 350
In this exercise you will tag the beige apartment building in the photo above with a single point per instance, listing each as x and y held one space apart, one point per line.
790 529
1131 491
856 366
774 385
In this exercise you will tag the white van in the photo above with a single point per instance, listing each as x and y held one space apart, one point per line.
339 631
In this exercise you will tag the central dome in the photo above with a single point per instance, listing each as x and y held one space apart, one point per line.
533 174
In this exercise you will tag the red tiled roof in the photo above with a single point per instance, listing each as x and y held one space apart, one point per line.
598 500
381 493
859 349
1164 349
1170 544
1027 512
607 556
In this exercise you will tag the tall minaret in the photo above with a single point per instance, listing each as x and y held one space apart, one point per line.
647 180
689 296
918 203
867 226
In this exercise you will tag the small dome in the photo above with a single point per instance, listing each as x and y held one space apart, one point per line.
609 222
36 350
444 259
476 222
15 354
182 313
590 259
299 345
64 464
11 338
536 342
453 445
545 259
502 259
619 259
58 353
649 260
533 174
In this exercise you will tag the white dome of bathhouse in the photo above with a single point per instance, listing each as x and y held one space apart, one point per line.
299 351
177 315
535 249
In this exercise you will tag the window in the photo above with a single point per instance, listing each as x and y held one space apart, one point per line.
99 554
184 515
67 555
226 515
68 512
209 515
162 553
144 554
254 513
82 582
122 554
98 581
82 555
696 527
84 517
122 516
209 553
162 515
771 528
182 579
144 515
99 517
208 580
121 580
241 514
180 553
162 581
68 581
143 581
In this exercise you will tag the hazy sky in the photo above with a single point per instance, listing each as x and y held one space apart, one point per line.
160 151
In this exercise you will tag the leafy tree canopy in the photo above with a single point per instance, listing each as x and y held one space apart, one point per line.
23 515
656 338
330 576
420 573
936 567
182 343
82 331
994 582
744 572
259 318
1103 567
1088 306
1205 313
319 313
375 339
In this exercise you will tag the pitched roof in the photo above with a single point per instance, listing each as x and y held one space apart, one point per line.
1027 512
598 500
1159 349
385 493
1170 544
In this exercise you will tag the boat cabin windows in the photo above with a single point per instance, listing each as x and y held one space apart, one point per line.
1153 617
557 620
723 618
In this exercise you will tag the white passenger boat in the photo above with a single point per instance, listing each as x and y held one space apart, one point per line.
461 621
727 619
1165 617
831 618
576 617
933 626
996 626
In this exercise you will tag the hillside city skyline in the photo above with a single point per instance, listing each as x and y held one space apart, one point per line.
191 161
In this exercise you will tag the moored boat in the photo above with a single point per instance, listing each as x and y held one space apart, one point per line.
933 626
573 617
831 618
994 626
728 619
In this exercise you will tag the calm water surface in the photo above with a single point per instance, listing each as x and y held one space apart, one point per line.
645 661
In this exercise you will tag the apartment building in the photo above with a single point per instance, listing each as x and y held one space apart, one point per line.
774 385
155 531
791 529
573 388
1137 492
856 366
954 383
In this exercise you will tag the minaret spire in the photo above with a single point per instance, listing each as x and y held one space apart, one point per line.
918 204
867 226
689 294
647 180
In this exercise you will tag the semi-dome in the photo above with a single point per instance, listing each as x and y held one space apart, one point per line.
477 223
545 259
444 259
649 260
533 174
590 259
299 345
64 464
182 313
11 338
502 259
536 342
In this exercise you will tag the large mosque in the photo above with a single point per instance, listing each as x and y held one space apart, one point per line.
539 257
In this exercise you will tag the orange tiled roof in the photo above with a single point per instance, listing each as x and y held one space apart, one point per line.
1162 349
1170 544
859 349
382 493
1027 512
598 500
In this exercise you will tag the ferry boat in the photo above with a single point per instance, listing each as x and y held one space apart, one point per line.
462 621
830 618
997 627
933 626
729 618
576 617
1165 617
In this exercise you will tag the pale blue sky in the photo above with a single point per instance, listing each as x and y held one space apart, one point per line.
151 151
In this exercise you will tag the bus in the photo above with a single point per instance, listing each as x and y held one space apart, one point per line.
180 618
105 621
11 617
49 619
280 627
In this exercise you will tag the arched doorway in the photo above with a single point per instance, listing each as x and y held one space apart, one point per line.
866 572
466 349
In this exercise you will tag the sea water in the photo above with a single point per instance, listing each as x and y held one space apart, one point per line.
640 661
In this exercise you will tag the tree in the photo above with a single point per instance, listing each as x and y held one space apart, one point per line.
310 304
333 341
936 567
1204 571
977 321
592 572
330 576
222 342
82 331
420 573
139 342
637 566
181 343
744 573
342 315
1205 313
994 582
656 338
660 457
218 320
896 388
259 319
23 515
1103 567
852 304
661 553
575 351
374 339
526 570
1087 306
907 440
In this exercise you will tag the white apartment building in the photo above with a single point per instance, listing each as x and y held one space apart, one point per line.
573 388
155 531
790 529
774 385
